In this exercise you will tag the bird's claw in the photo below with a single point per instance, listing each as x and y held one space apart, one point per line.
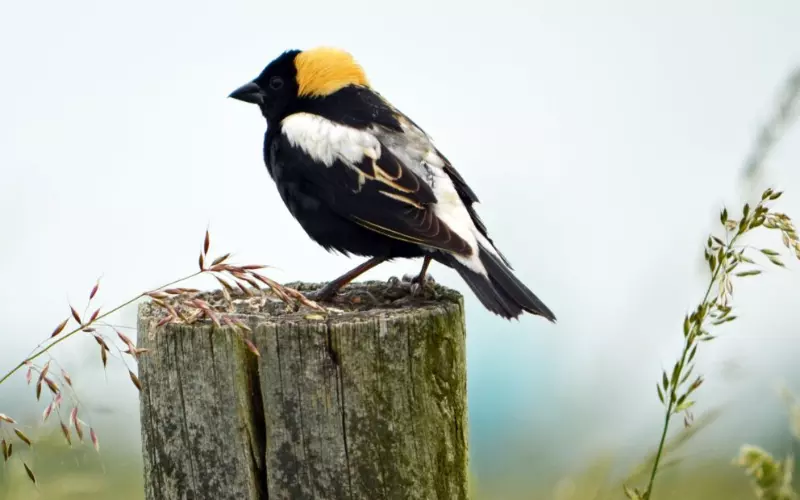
414 278
319 295
428 280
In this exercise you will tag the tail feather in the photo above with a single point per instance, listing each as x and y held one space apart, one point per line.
499 290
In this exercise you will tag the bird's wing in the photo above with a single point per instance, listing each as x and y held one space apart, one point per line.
468 197
362 180
417 146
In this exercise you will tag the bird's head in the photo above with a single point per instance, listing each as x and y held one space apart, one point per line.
297 75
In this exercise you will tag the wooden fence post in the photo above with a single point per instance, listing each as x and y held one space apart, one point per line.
367 404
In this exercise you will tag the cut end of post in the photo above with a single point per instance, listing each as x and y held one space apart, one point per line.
366 298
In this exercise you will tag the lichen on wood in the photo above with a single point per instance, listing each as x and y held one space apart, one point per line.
366 402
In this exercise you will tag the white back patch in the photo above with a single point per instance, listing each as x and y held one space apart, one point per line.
326 141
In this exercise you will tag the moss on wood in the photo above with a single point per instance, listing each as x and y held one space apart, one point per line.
367 403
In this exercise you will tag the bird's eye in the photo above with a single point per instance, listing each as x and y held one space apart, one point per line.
275 83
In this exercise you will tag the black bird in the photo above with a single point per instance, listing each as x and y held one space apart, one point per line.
362 178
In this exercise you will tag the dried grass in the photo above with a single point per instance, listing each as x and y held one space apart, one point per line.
180 305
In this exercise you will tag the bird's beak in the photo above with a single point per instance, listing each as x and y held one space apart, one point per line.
249 92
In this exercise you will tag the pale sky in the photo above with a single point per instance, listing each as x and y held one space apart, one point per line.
601 138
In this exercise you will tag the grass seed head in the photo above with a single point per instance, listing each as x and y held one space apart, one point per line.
75 315
23 437
219 260
59 328
95 441
66 377
65 432
252 347
165 320
242 325
73 416
101 341
47 411
131 347
52 385
135 380
29 472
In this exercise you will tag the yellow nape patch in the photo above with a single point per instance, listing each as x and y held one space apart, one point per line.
324 70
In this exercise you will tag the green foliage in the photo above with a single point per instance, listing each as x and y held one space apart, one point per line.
728 260
771 479
73 473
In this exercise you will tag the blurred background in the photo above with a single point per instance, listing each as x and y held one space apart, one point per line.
602 140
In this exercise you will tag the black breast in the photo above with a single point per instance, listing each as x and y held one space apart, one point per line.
312 208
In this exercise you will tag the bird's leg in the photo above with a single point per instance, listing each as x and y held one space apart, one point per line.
422 273
328 291
419 281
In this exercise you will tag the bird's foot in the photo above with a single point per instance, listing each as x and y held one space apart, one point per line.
324 294
414 278
342 296
416 286
427 280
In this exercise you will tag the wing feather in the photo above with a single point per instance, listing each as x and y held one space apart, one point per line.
376 191
419 146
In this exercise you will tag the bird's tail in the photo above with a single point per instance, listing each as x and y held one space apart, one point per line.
499 290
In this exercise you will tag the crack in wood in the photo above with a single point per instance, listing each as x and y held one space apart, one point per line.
219 422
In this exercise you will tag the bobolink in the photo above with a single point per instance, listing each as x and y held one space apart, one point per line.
362 178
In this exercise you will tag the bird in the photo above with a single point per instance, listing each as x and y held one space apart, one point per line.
362 178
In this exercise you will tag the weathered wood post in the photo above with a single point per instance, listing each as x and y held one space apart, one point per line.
365 404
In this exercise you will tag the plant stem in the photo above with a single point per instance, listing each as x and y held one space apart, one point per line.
64 337
687 346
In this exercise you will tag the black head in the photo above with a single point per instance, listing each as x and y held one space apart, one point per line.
275 90
295 77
